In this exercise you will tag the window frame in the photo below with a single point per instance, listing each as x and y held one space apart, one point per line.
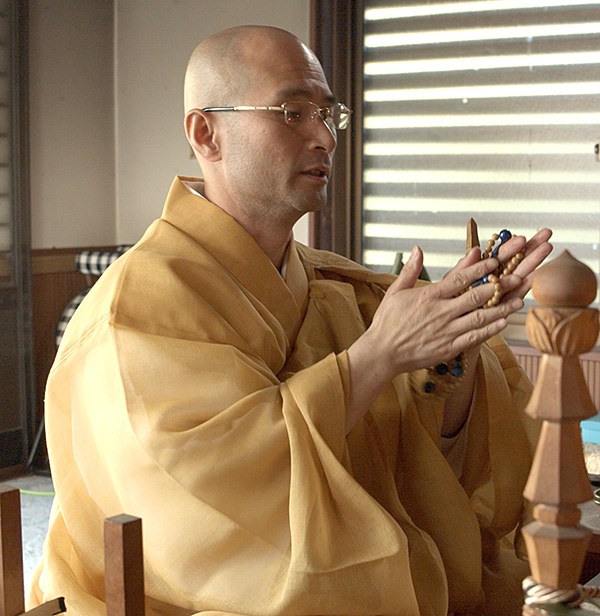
335 26
15 440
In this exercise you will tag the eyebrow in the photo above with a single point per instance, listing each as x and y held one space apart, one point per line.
291 92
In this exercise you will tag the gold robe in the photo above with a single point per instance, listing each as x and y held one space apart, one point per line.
199 390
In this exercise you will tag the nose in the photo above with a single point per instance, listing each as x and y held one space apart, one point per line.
323 135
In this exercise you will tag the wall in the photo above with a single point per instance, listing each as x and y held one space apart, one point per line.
71 123
106 119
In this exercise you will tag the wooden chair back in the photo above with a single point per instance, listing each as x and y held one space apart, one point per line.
124 564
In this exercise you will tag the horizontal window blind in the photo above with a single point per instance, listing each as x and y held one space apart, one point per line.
485 109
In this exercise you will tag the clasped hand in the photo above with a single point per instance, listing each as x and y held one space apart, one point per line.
420 326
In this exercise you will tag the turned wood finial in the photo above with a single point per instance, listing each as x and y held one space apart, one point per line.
565 282
562 328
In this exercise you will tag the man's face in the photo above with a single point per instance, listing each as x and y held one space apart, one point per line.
273 168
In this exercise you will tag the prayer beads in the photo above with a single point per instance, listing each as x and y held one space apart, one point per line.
491 250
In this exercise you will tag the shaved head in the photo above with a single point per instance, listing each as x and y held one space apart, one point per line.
261 169
228 65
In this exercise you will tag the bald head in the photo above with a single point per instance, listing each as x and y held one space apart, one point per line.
261 168
227 65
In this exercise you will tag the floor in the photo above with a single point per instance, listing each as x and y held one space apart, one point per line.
36 501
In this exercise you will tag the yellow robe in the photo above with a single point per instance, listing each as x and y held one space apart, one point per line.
199 390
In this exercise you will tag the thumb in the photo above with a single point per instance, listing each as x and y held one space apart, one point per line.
410 272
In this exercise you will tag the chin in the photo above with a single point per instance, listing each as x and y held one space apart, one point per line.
304 203
315 204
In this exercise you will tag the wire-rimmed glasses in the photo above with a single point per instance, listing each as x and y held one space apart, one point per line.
336 116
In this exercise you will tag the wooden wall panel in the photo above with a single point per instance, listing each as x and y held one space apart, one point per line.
54 282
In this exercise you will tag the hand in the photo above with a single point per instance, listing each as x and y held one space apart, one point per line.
417 327
535 251
425 325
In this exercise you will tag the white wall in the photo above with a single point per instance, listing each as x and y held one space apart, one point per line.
106 82
71 123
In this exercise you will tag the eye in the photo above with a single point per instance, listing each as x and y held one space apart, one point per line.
294 113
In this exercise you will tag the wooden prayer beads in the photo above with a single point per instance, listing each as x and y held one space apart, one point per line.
491 250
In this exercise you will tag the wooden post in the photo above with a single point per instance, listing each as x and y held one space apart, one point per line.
561 327
12 600
124 566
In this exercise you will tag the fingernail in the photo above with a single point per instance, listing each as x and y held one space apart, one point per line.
415 252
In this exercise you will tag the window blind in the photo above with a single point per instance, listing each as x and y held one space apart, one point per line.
485 109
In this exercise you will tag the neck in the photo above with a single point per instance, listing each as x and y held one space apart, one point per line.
274 244
271 234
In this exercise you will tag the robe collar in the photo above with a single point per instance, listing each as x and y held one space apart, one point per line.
228 242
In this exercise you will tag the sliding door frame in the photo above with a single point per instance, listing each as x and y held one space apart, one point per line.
336 32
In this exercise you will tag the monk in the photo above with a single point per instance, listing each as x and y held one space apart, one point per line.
299 435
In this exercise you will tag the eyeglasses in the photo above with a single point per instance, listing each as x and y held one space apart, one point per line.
336 116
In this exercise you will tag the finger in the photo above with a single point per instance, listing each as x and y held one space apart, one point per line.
481 318
519 243
533 259
534 251
509 249
472 257
409 273
478 296
476 327
540 241
526 269
512 286
460 278
541 237
475 337
522 290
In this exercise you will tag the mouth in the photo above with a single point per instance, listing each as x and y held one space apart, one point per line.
319 173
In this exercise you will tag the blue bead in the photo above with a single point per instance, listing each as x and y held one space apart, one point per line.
504 235
428 387
485 279
442 369
457 370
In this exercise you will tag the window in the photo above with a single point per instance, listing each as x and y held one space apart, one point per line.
485 109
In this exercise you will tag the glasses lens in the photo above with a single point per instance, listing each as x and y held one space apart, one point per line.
296 112
340 115
336 116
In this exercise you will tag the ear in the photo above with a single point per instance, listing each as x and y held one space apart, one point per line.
200 132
